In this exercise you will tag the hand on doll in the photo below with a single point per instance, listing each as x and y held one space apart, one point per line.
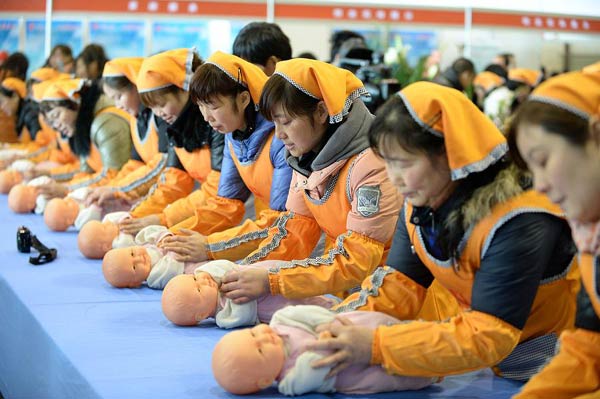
133 226
53 190
102 196
245 285
188 246
33 173
351 345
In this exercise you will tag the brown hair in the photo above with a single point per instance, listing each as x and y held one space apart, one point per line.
210 81
551 118
279 92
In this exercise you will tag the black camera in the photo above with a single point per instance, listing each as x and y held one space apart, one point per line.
26 240
380 84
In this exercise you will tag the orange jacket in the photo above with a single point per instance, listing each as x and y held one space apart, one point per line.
472 339
357 212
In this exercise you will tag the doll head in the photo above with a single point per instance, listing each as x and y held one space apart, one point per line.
126 267
188 299
246 361
21 198
95 238
60 213
8 179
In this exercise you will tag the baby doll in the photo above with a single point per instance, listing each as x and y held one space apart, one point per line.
131 266
8 179
60 213
96 238
189 299
248 360
22 197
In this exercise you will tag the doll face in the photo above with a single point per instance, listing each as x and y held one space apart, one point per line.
568 174
226 114
248 360
300 134
126 267
126 99
188 299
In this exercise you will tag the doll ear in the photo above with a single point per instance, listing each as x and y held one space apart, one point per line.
264 383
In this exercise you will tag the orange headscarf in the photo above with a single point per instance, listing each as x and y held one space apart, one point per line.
471 139
64 89
43 74
241 71
173 67
592 68
530 77
488 81
337 87
577 92
16 85
128 67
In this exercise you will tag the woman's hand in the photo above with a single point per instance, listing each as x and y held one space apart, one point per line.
188 246
351 345
53 190
133 226
245 284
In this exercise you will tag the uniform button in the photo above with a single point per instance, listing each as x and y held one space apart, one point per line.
416 219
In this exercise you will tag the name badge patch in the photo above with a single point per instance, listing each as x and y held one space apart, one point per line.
368 200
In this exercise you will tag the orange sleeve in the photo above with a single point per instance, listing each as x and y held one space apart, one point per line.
172 185
470 341
573 373
138 183
67 171
92 180
387 291
130 167
191 205
344 267
239 241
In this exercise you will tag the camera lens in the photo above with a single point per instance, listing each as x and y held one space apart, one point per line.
23 239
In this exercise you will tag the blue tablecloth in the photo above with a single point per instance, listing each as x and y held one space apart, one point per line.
66 333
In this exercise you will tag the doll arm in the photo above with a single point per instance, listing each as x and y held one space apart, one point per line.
163 271
303 378
305 317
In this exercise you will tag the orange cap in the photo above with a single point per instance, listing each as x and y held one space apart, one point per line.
471 139
43 74
577 92
173 67
63 89
530 77
241 71
16 85
125 66
337 87
488 80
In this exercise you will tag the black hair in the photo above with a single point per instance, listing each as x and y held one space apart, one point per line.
63 48
279 92
498 70
257 41
307 54
80 142
16 65
93 53
463 65
394 124
339 37
119 83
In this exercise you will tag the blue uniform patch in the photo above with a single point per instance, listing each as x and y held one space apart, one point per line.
368 200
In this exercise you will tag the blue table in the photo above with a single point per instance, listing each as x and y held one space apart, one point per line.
66 333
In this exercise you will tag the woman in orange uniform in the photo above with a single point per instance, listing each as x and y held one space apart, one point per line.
339 188
148 134
470 222
195 150
98 133
227 90
557 135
